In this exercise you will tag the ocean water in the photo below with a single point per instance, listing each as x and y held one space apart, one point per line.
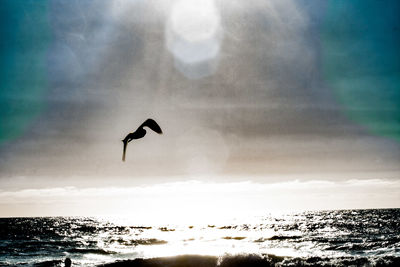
330 238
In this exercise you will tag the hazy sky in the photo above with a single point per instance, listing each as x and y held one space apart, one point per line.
261 91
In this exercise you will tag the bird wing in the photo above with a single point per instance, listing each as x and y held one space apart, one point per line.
152 124
124 151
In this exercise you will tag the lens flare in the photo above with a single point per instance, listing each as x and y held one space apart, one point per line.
193 36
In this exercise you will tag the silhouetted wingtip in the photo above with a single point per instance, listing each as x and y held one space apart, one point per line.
152 124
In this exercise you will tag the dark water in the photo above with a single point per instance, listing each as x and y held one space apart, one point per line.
330 238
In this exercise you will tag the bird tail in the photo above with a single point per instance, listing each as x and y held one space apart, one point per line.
124 151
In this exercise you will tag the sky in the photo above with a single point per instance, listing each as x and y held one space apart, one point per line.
300 96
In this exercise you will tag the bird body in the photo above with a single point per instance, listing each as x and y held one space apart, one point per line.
139 133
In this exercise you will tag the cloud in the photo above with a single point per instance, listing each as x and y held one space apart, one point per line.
199 199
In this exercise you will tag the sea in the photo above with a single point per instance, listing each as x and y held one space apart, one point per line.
311 238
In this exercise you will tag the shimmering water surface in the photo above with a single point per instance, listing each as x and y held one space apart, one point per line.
372 235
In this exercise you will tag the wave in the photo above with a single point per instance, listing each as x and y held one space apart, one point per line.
90 251
278 237
141 227
234 237
142 241
248 260
166 229
150 241
50 263
255 260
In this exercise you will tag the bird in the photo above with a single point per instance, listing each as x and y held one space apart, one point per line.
139 133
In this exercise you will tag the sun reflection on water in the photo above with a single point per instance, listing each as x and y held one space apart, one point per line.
323 234
236 236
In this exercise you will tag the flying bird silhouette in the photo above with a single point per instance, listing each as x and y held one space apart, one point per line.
140 132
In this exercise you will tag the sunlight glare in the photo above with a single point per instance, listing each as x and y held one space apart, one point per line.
193 36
